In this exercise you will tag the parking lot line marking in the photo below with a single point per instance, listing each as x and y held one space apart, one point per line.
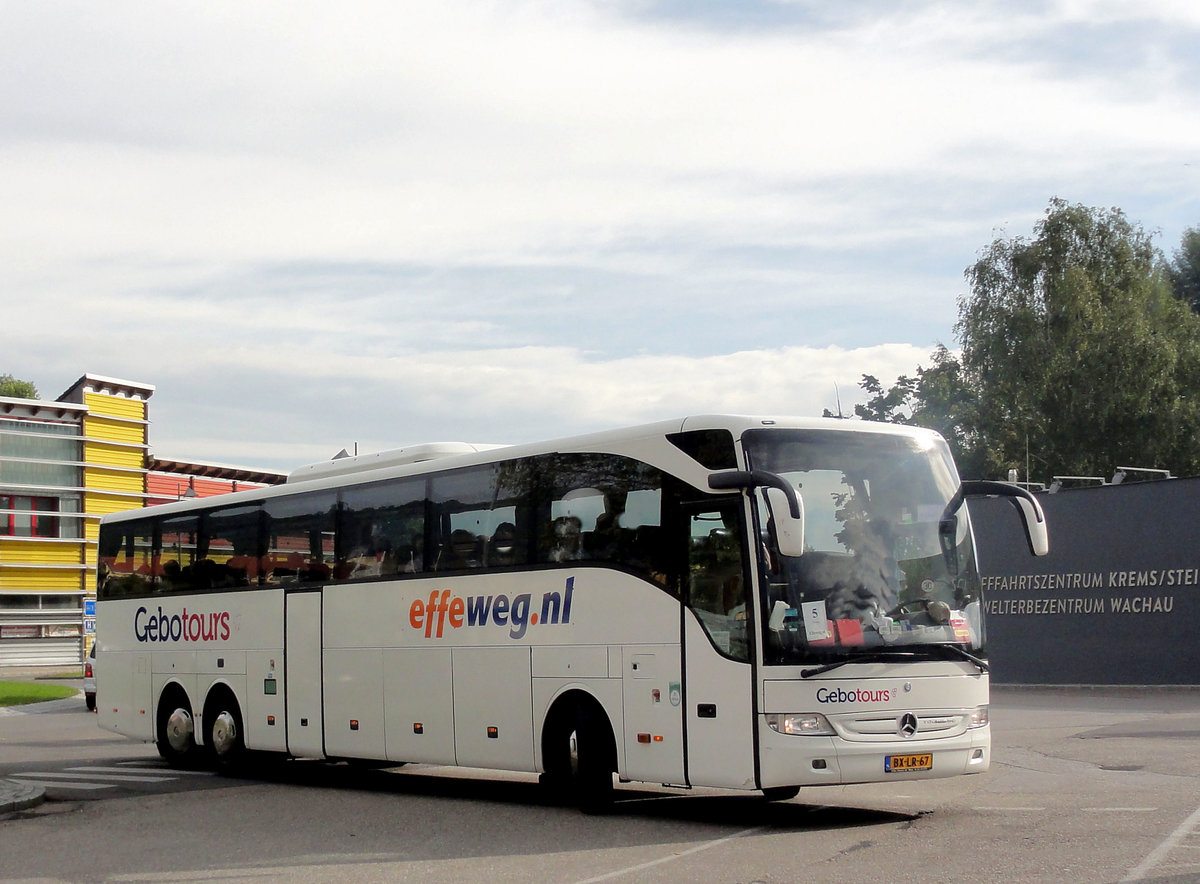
1118 809
161 771
1168 844
618 873
110 777
988 807
86 787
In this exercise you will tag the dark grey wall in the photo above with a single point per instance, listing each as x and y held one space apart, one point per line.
1117 600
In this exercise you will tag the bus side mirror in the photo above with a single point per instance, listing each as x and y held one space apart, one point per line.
783 502
1034 521
789 529
1027 506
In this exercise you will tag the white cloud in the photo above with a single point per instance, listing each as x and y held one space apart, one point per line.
463 131
516 395
512 219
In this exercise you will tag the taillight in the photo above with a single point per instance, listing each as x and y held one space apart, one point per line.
87 670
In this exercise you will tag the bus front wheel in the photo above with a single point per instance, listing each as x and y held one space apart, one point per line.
780 793
580 757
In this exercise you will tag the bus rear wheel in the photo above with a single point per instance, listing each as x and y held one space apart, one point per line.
176 732
224 737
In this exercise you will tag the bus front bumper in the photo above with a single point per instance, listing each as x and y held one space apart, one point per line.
801 760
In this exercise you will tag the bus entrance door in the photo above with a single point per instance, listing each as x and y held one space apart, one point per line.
719 688
720 715
302 653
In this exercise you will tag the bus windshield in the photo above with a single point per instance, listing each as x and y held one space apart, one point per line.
885 564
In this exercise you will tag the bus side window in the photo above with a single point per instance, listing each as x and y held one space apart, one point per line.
300 531
480 516
234 545
175 568
461 502
602 508
125 563
714 581
381 530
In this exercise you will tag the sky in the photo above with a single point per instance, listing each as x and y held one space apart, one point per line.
315 226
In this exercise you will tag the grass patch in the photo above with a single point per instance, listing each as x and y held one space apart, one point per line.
16 693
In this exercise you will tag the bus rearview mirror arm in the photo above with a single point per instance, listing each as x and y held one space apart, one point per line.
785 504
1027 506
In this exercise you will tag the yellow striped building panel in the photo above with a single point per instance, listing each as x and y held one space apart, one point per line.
32 553
100 403
45 579
100 481
99 504
113 419
114 430
114 455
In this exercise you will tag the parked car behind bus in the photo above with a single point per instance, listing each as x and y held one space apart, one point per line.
89 680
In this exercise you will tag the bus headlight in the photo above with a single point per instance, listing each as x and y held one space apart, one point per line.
803 723
979 717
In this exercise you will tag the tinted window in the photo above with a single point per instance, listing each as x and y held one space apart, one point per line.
177 553
381 531
548 510
234 546
481 516
711 448
604 508
211 550
300 531
126 561
715 574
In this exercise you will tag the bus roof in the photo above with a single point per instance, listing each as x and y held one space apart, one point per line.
632 440
394 457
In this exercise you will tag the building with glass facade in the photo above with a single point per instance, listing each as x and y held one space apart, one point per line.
64 464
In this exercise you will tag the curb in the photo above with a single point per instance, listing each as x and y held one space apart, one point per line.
19 796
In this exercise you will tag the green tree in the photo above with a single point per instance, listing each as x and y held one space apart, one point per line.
1074 345
1185 269
893 405
1079 354
937 398
944 402
17 389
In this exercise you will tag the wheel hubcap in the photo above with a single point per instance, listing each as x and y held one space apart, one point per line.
224 733
180 730
573 753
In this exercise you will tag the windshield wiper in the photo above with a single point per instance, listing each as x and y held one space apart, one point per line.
876 657
912 654
809 673
957 651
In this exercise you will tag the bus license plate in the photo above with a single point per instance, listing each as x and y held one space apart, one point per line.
897 763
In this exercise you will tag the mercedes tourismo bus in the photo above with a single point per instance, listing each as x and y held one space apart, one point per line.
720 601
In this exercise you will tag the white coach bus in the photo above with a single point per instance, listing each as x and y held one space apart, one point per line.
720 601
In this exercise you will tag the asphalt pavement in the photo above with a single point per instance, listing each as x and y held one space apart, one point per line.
16 795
